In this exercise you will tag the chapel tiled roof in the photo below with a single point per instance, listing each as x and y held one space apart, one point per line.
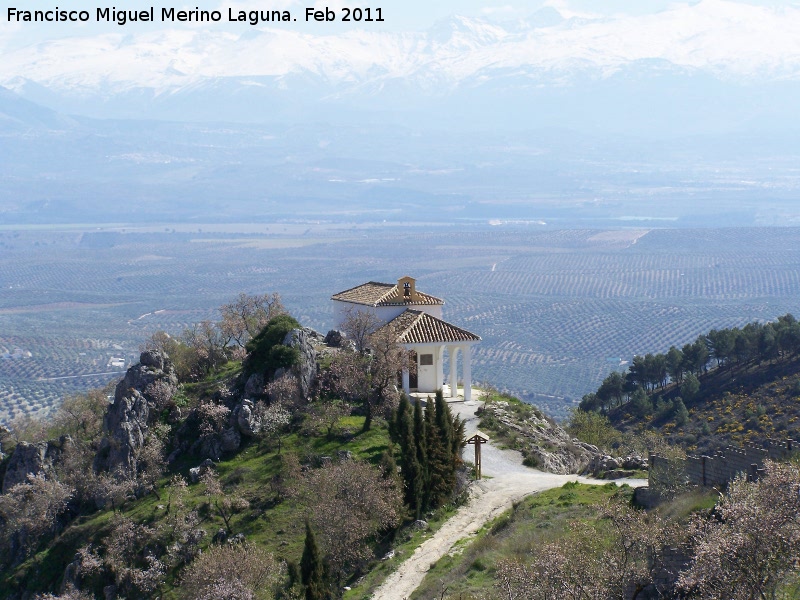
374 293
416 327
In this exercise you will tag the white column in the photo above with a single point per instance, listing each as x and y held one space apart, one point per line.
406 386
467 366
453 371
439 354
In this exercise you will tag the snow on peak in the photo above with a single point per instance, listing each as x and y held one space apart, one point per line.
726 39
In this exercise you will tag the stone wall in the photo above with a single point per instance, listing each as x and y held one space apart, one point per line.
720 468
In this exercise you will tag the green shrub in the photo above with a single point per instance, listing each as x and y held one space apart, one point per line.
664 409
530 460
641 405
681 414
593 428
266 353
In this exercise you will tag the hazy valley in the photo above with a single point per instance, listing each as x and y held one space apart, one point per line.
557 309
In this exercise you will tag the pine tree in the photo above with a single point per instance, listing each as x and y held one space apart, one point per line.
312 570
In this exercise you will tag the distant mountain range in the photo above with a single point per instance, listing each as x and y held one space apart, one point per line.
709 67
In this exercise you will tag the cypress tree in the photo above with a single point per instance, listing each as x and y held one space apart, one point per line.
444 422
412 472
312 570
439 463
388 464
420 439
396 431
459 439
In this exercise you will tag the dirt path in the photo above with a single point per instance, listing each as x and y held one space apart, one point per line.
489 498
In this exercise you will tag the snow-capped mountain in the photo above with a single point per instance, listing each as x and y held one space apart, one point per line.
712 52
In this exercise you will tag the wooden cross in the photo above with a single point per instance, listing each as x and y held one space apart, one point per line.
477 440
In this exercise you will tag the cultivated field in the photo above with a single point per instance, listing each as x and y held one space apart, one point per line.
557 309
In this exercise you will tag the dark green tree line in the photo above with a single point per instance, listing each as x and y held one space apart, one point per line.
753 343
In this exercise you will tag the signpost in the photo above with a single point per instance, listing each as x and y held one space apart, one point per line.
477 440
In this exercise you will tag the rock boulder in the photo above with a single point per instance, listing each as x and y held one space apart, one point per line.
246 420
146 389
306 370
334 338
33 459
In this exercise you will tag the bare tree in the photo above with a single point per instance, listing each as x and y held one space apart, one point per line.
70 593
111 488
209 344
81 415
211 417
132 556
274 419
29 512
92 489
180 527
326 414
150 461
233 572
245 317
359 325
588 564
27 428
370 379
285 390
226 505
348 503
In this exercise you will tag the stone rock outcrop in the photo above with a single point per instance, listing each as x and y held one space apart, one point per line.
611 466
334 338
306 370
146 389
545 444
230 440
209 446
196 472
246 420
26 459
255 386
32 459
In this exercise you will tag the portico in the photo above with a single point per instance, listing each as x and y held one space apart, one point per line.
438 367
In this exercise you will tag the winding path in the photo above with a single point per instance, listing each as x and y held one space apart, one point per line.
510 481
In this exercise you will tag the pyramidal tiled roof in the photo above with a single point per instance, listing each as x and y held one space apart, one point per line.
374 293
417 327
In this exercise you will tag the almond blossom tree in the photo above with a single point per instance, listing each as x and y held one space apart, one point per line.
750 546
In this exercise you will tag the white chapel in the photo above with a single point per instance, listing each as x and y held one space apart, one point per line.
417 319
